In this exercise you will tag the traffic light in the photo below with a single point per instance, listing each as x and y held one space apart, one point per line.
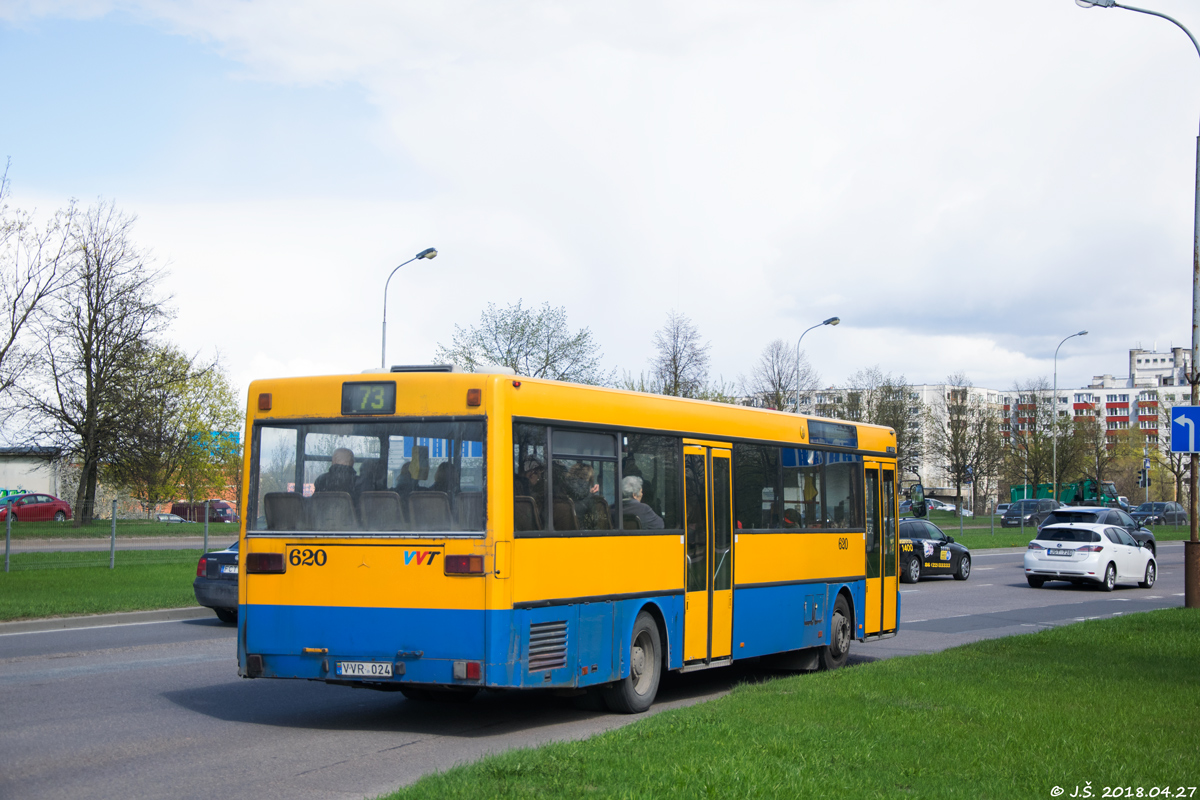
1143 478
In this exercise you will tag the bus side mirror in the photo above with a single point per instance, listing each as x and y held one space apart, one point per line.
919 508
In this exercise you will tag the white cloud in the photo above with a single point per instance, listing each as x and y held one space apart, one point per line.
963 183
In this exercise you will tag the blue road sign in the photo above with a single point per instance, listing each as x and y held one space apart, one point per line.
1185 420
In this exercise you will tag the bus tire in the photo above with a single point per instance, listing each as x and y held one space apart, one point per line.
635 693
841 630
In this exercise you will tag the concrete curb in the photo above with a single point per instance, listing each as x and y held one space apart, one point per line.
98 620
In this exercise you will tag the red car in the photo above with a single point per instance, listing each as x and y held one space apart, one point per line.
34 508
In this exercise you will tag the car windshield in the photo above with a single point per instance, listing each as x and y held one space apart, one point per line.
1067 535
1024 505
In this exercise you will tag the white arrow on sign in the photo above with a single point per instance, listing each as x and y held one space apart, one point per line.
1191 424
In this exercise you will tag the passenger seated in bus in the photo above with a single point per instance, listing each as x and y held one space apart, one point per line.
373 477
530 484
441 478
341 476
791 518
632 505
405 482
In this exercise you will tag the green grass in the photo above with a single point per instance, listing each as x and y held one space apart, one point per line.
1113 702
126 528
66 584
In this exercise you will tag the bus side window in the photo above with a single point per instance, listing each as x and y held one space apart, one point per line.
529 477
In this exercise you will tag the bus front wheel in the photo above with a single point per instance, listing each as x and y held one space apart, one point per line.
635 693
835 653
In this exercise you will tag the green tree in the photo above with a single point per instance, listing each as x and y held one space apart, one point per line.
214 417
534 342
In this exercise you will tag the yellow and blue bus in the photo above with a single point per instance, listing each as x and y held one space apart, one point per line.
435 532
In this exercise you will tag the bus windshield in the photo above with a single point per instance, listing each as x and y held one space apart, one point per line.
367 476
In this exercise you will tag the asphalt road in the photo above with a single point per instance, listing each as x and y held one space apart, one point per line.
156 709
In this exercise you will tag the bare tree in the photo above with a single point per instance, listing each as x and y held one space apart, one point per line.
533 342
773 379
95 335
680 365
963 434
1178 464
1031 446
872 396
1103 450
31 271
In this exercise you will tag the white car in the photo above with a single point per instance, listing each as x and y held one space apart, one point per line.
1088 553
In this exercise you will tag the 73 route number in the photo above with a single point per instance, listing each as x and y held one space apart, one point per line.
307 558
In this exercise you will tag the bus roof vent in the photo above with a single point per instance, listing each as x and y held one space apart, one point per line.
493 369
425 368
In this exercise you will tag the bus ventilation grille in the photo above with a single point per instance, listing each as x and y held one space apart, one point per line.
547 645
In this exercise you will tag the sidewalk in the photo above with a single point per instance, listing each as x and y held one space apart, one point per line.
99 620
216 541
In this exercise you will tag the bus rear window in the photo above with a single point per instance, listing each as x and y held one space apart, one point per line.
368 476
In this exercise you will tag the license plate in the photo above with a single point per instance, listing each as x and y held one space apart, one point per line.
365 669
1056 552
229 569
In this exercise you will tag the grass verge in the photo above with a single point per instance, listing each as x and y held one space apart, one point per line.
1113 702
66 584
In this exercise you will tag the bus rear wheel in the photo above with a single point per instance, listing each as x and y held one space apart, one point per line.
837 651
635 693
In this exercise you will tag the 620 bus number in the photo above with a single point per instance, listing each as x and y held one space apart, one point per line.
306 557
843 543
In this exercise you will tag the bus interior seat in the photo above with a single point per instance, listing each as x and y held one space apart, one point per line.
564 516
382 511
429 511
599 514
632 523
332 511
525 514
284 511
468 510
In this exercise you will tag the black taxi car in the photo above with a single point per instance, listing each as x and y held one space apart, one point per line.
925 550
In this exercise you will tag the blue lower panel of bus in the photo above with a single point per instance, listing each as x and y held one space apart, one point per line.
556 646
775 619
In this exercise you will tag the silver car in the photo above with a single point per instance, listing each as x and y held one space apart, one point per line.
1092 553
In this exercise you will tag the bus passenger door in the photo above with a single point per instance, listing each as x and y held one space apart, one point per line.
708 523
880 614
873 613
891 547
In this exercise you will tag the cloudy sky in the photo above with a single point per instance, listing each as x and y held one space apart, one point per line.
963 183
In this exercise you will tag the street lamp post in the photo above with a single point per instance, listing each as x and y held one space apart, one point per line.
1191 550
428 252
1054 418
830 321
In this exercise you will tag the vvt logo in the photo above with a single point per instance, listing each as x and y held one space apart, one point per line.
420 556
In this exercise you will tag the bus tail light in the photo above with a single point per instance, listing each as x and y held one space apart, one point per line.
474 397
468 670
202 568
268 563
264 401
463 565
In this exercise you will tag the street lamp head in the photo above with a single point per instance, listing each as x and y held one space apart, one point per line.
1082 333
832 321
428 252
1090 3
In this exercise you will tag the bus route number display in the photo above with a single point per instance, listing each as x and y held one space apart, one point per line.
369 398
